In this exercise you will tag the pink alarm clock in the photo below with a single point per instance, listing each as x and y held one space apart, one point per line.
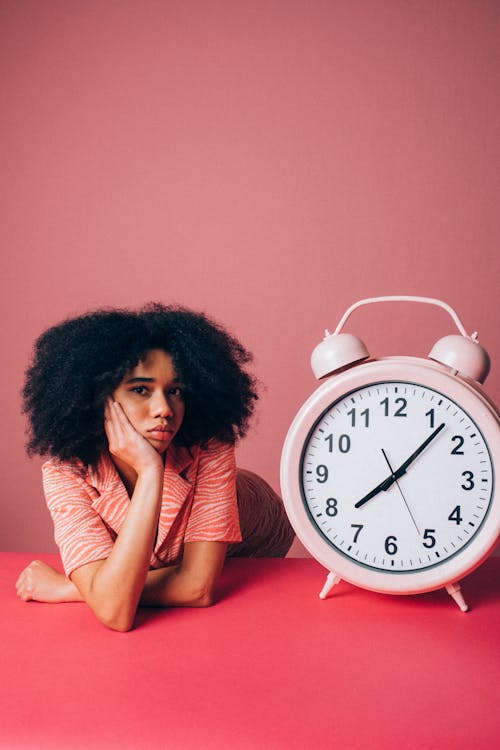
388 469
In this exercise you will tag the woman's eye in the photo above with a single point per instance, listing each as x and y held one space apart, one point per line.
140 389
176 392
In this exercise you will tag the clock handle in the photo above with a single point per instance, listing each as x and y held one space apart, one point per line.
462 354
404 298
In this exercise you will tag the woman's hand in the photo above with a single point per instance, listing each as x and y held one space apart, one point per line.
41 583
125 443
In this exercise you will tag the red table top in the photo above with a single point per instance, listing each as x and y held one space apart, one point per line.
269 666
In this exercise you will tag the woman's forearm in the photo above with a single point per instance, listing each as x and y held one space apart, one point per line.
174 587
114 588
190 584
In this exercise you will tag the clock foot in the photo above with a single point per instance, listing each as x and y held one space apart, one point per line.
454 591
331 580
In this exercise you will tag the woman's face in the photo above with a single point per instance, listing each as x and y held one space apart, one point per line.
152 397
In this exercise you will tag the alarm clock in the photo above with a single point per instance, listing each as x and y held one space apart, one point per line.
388 469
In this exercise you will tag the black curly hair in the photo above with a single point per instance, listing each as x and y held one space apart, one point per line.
80 362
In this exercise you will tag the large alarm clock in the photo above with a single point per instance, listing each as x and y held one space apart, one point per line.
388 469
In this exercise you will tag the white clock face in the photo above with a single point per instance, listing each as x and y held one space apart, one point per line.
396 476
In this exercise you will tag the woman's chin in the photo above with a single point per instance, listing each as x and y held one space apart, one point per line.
160 446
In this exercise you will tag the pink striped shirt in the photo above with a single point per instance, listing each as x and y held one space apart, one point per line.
198 504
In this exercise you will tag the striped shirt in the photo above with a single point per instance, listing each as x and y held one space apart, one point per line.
89 507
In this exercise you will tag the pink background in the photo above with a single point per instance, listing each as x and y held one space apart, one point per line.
268 162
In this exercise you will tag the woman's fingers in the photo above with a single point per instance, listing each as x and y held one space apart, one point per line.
117 417
110 430
122 420
122 436
24 585
125 442
107 414
114 430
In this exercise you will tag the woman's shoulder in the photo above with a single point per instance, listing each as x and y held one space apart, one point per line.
215 446
77 470
62 479
180 457
58 466
217 459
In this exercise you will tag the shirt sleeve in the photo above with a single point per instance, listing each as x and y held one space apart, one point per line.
79 531
214 513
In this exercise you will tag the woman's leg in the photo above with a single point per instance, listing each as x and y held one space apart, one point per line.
265 528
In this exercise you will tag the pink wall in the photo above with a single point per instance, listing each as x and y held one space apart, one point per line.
269 162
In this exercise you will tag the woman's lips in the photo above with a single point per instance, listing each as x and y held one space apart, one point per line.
162 435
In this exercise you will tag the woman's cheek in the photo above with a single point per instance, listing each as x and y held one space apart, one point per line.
132 415
130 410
181 414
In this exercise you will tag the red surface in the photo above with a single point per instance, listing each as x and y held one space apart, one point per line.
268 161
270 666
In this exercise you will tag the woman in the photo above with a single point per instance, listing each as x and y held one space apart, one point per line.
140 412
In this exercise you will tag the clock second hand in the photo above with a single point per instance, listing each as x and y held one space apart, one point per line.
384 486
401 492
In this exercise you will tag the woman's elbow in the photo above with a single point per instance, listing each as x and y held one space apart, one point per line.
118 620
120 626
202 596
205 601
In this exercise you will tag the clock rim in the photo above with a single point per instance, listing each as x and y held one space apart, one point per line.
428 374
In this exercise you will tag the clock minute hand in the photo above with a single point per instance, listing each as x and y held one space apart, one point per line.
384 486
402 469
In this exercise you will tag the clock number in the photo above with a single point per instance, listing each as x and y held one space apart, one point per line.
430 414
399 412
357 526
458 439
344 443
365 414
429 538
331 507
321 473
455 515
390 545
469 481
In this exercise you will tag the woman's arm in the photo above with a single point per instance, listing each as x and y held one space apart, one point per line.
190 584
40 582
112 587
213 522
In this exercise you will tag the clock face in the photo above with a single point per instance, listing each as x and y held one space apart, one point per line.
396 477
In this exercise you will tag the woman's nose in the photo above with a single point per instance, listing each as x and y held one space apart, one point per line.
161 407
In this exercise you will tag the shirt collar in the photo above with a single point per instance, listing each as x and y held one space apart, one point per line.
113 500
106 477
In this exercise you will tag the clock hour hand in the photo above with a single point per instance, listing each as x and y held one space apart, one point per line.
384 486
